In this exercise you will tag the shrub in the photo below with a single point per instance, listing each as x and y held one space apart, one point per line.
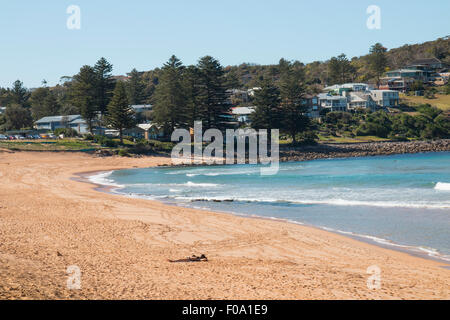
67 132
123 153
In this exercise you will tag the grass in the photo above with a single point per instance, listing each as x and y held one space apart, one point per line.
442 101
49 145
343 139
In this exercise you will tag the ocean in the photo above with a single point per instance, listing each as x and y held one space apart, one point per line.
399 201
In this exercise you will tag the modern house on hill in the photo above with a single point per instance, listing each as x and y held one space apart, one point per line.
385 98
333 103
429 63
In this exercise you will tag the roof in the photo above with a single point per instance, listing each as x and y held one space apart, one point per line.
425 61
139 107
328 97
69 118
78 121
383 91
405 70
359 97
243 110
345 86
148 126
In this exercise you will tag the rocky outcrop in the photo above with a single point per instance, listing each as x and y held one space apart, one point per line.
323 151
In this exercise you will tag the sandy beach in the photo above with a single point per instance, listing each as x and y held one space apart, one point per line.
50 221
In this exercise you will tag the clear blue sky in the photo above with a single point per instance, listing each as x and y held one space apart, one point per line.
36 44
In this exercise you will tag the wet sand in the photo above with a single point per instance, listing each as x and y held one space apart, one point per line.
49 221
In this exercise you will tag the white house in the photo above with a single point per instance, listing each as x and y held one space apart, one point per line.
357 100
385 98
355 87
334 103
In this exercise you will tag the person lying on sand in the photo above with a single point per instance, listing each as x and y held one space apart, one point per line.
194 258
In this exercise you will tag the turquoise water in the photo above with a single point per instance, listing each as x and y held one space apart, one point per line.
401 200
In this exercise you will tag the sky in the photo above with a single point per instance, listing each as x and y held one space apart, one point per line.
36 44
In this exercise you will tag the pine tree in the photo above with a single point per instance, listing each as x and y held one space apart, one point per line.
191 85
169 97
378 61
136 88
213 102
44 103
293 111
268 114
19 94
340 70
120 114
84 94
105 84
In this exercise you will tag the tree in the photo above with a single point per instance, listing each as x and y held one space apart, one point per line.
136 88
232 80
268 114
340 70
191 85
19 94
378 61
293 111
212 98
17 117
169 98
120 114
44 103
84 94
104 84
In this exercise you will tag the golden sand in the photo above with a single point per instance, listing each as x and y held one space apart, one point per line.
49 221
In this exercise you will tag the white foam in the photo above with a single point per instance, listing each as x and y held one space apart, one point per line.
102 179
442 186
200 185
336 202
431 252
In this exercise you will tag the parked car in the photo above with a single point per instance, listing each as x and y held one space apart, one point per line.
36 136
18 137
11 138
30 137
3 137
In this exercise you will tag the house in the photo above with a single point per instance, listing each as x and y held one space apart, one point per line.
242 114
139 108
416 74
397 83
75 122
55 122
147 131
385 98
429 63
339 88
333 103
236 96
356 100
2 110
311 103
